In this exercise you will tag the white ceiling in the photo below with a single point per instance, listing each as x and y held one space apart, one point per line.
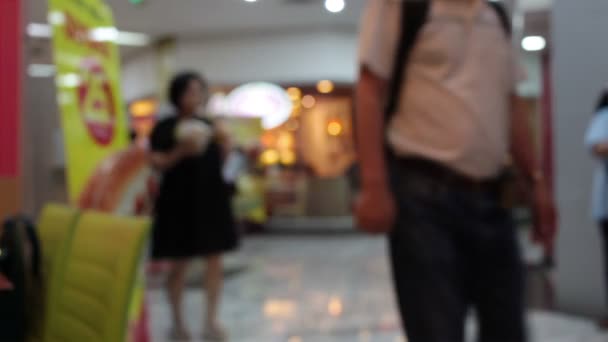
535 5
187 17
207 17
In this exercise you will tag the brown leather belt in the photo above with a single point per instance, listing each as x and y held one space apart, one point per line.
442 175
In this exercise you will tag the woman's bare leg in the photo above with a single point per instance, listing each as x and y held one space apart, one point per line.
214 281
176 283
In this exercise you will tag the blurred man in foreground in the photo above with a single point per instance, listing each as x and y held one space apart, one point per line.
447 72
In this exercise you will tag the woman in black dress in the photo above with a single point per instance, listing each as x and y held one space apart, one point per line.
193 217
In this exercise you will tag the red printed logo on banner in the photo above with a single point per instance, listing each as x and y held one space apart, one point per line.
96 102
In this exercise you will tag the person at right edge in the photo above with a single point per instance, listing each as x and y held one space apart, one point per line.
448 73
596 139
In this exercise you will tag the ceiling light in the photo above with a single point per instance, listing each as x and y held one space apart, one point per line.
335 6
56 18
39 30
41 70
533 43
111 34
251 0
104 34
132 39
68 80
100 34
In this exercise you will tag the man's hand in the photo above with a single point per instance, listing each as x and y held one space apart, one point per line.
545 215
375 210
601 150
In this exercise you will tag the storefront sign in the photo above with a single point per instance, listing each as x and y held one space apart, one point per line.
267 101
93 118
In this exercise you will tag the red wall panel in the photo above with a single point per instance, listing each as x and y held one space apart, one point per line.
10 87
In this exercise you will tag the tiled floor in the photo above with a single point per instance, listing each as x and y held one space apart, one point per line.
323 289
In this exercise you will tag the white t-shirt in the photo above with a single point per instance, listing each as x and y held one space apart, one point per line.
454 107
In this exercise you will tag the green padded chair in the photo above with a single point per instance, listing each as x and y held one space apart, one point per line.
55 231
99 270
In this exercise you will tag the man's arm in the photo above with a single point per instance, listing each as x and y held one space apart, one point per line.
375 208
524 156
370 129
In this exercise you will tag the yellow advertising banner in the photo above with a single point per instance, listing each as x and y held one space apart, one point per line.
88 88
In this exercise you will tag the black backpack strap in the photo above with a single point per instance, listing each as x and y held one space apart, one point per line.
413 16
501 11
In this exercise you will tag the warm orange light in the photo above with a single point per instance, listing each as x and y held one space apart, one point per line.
334 128
288 157
308 101
143 108
285 141
270 157
325 86
268 139
294 93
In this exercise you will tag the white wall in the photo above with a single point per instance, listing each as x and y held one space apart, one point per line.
140 75
580 70
276 57
43 167
292 57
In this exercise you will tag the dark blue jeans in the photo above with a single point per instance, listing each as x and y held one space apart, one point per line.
454 249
